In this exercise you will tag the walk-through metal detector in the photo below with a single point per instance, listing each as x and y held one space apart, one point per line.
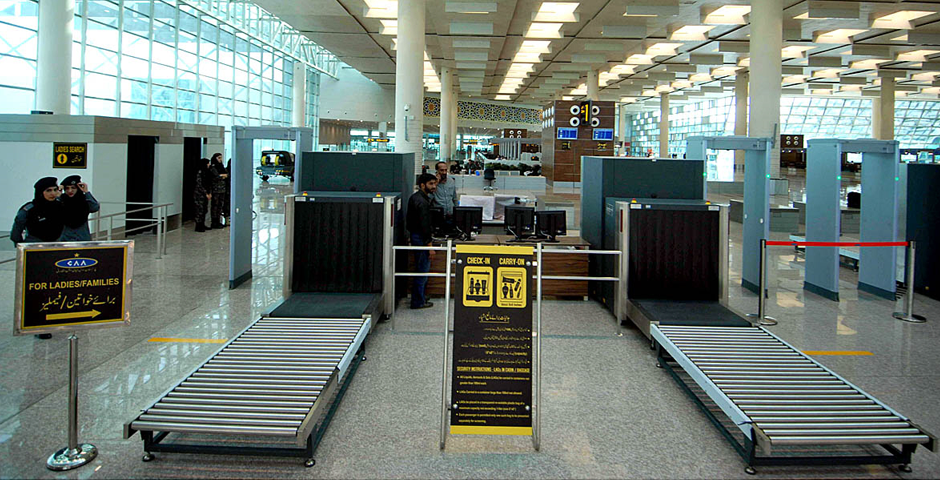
242 194
877 267
756 188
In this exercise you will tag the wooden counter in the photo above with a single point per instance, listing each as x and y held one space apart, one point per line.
554 264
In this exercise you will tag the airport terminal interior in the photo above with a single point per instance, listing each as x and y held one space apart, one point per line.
655 239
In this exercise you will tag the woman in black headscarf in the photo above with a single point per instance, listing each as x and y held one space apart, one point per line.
77 203
42 218
201 193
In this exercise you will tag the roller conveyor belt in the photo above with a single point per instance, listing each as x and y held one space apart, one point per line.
780 398
280 377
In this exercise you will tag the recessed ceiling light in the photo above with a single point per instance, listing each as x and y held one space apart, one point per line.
389 27
700 77
840 35
567 98
924 76
536 46
794 51
381 8
794 79
828 73
728 15
638 59
723 71
544 30
900 20
869 63
662 48
623 69
649 93
524 57
556 12
916 55
691 33
503 97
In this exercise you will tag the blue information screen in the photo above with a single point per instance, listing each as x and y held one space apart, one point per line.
603 134
567 133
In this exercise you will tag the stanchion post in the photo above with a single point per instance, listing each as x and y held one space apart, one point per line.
159 233
74 455
908 314
537 411
446 344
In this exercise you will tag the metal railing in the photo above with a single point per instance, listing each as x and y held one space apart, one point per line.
539 250
159 221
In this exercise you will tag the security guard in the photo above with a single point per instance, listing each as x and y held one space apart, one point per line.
77 203
42 218
219 177
201 193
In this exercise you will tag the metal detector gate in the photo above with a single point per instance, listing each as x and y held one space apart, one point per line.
756 226
536 332
242 195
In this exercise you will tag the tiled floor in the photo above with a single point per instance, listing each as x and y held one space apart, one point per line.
608 412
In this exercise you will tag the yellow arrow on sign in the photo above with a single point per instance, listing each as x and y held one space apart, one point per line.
70 315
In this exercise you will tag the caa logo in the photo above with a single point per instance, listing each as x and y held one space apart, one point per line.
77 262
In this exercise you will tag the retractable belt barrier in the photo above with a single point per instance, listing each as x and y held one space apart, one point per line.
907 315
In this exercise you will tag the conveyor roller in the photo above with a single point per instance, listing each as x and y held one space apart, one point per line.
777 396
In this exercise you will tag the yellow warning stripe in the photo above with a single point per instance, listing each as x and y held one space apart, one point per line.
837 352
475 430
495 249
188 340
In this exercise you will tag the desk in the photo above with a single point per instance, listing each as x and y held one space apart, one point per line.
553 264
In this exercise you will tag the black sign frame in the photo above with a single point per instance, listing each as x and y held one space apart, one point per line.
493 342
74 155
25 312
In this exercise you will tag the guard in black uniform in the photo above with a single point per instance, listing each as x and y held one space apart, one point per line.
219 176
41 219
201 194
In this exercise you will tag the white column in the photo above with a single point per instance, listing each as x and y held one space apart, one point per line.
299 94
54 65
886 130
593 88
447 103
455 101
409 80
664 125
875 117
766 18
740 120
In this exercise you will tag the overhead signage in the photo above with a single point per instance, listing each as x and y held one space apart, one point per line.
64 286
603 134
377 140
69 155
567 133
491 391
566 145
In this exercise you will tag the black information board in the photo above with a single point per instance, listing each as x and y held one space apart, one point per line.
69 155
492 365
63 286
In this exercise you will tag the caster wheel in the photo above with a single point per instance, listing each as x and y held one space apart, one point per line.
148 457
905 468
364 358
659 365
309 462
750 470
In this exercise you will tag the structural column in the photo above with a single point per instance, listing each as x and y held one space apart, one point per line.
875 117
886 110
765 70
664 125
54 65
740 120
593 86
299 95
409 80
455 145
447 104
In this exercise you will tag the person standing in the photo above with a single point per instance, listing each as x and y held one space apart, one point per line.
445 196
201 195
418 223
227 203
217 170
77 203
40 218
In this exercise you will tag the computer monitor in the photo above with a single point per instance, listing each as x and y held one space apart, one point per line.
468 221
520 221
438 225
551 223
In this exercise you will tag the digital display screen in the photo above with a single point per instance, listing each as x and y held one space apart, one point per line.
601 134
567 133
853 157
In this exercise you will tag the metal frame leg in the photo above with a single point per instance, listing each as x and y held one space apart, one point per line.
908 314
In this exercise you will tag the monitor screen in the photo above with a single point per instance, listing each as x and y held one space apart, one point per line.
551 223
438 224
468 220
602 134
519 220
567 133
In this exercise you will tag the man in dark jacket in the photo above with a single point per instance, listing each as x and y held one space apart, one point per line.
217 170
201 194
418 223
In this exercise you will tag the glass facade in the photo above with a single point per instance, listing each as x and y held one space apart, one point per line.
916 123
193 61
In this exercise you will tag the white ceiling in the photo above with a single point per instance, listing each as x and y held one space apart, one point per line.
602 37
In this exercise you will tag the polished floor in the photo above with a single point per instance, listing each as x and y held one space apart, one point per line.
608 412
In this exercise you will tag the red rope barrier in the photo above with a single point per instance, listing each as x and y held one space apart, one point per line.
835 244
